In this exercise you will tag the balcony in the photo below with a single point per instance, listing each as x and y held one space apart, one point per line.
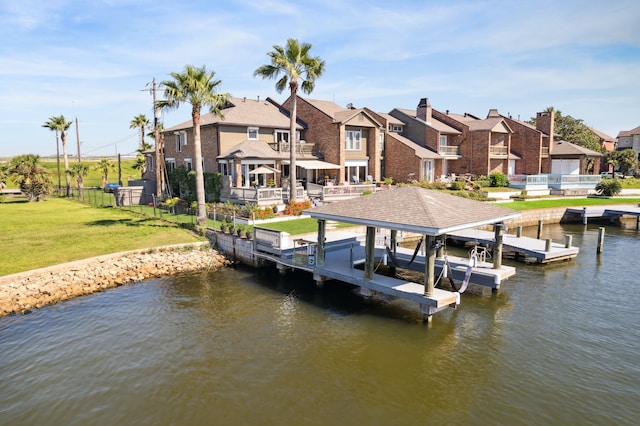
302 147
545 152
449 151
497 151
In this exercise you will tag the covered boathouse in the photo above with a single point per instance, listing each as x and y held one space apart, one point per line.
428 213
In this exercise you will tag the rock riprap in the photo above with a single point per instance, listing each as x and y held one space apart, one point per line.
23 292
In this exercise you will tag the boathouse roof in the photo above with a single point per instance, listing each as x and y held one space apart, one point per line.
414 209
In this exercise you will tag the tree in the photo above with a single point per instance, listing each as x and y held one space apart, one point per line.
79 171
625 159
61 125
105 166
140 121
4 175
293 63
196 87
32 178
572 130
51 125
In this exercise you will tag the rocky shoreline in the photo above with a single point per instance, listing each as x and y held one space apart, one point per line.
23 292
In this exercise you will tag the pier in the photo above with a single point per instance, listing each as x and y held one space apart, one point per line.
539 251
613 213
429 214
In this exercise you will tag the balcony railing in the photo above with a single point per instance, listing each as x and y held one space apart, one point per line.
261 196
302 147
499 151
545 152
449 150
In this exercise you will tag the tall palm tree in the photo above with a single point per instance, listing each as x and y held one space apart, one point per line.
51 125
196 87
61 125
142 122
293 63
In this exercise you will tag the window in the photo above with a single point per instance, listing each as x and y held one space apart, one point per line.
223 168
352 140
171 164
381 141
181 140
188 164
282 136
252 133
443 140
395 128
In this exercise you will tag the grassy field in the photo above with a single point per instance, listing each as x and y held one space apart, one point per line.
568 202
58 230
94 178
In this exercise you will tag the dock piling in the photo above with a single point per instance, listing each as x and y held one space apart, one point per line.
568 241
600 240
539 228
519 231
497 245
547 245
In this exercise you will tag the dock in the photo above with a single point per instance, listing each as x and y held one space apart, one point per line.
613 213
540 251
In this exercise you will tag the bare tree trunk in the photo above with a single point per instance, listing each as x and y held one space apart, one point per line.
200 195
292 146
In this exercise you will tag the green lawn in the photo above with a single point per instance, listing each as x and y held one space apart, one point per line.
568 202
58 230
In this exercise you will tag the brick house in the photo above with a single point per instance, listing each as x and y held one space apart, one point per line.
405 159
350 138
532 144
252 133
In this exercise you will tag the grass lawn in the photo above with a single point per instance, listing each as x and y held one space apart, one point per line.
568 202
58 230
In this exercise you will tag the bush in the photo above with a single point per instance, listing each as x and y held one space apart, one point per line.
498 180
294 208
608 187
458 186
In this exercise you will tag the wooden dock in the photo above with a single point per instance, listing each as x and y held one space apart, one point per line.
521 247
613 213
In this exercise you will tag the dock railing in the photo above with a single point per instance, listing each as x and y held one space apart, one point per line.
270 240
529 182
573 181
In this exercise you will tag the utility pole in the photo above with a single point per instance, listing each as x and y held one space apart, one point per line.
156 136
78 140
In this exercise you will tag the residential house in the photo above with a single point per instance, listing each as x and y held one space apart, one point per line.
532 144
404 159
252 133
571 159
629 139
347 138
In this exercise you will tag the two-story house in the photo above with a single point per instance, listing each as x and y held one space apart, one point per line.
349 138
629 139
532 144
252 133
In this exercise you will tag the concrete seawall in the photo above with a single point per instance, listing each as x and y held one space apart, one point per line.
22 292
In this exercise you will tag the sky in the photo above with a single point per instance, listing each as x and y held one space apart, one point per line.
95 60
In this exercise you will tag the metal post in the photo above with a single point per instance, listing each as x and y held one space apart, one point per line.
547 245
584 215
369 252
320 247
394 242
498 230
600 240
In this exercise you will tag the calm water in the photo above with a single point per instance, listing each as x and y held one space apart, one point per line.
558 345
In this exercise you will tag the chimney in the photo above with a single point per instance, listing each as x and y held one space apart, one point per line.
545 124
423 112
493 113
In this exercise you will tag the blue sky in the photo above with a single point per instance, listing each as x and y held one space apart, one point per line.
93 59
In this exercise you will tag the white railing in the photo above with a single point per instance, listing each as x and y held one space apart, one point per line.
528 180
573 181
345 191
498 151
448 150
269 239
256 195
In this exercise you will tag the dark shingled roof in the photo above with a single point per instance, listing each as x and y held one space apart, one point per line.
414 209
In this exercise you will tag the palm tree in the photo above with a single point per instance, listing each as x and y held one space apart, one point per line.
196 87
33 179
293 62
140 121
51 125
79 171
104 166
60 124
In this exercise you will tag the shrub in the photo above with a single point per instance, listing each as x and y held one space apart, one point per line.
458 186
498 180
366 192
609 187
294 208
